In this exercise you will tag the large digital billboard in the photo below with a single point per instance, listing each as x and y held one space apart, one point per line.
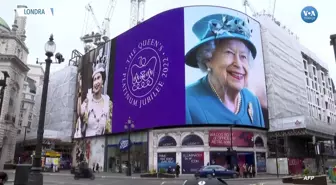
192 65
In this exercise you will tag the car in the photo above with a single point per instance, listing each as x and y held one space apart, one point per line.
215 171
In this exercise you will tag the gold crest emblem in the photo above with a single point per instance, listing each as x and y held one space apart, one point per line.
250 111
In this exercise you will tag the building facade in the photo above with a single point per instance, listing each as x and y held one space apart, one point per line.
59 112
26 109
30 101
300 97
193 148
13 60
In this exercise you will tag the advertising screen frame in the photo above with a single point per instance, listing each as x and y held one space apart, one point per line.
175 109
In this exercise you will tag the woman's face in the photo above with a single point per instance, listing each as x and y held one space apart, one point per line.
229 63
97 83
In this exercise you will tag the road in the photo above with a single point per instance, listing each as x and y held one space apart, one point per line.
69 180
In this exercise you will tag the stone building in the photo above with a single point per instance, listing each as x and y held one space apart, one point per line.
13 60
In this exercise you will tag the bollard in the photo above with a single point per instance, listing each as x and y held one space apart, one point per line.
21 174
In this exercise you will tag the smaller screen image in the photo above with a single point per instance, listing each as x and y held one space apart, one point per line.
192 162
224 68
166 161
94 104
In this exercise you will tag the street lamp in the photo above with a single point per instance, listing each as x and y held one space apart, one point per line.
3 85
35 176
129 125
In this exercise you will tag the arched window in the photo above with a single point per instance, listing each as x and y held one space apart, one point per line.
259 142
167 141
192 140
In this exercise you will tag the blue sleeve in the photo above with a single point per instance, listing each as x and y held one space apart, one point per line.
260 115
187 113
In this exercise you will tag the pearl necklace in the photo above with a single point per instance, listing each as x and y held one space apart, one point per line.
238 101
97 101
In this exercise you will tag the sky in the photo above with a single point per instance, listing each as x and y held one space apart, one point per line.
68 20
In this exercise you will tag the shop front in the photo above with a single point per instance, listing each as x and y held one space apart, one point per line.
90 150
117 153
193 148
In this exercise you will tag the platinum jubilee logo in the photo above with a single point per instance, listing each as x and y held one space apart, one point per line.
147 67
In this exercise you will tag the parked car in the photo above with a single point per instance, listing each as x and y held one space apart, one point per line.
215 171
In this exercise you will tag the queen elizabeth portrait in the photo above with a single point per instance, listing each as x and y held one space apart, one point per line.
225 52
96 109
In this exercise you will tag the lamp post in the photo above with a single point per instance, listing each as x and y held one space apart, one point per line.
276 154
3 85
35 176
129 125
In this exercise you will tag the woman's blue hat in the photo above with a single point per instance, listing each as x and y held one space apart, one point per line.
219 26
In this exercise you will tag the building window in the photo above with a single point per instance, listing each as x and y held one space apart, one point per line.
315 86
307 80
30 116
314 70
328 119
29 124
305 64
320 117
326 105
18 132
20 123
324 91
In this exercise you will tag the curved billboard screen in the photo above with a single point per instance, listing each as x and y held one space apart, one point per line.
193 65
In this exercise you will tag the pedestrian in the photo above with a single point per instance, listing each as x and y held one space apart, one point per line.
3 178
245 170
253 171
177 170
97 168
250 171
93 167
52 167
238 170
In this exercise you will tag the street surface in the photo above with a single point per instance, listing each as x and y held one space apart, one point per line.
115 179
67 179
57 180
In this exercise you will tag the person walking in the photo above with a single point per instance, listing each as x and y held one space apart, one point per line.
97 167
250 171
238 170
177 170
253 170
245 170
93 167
